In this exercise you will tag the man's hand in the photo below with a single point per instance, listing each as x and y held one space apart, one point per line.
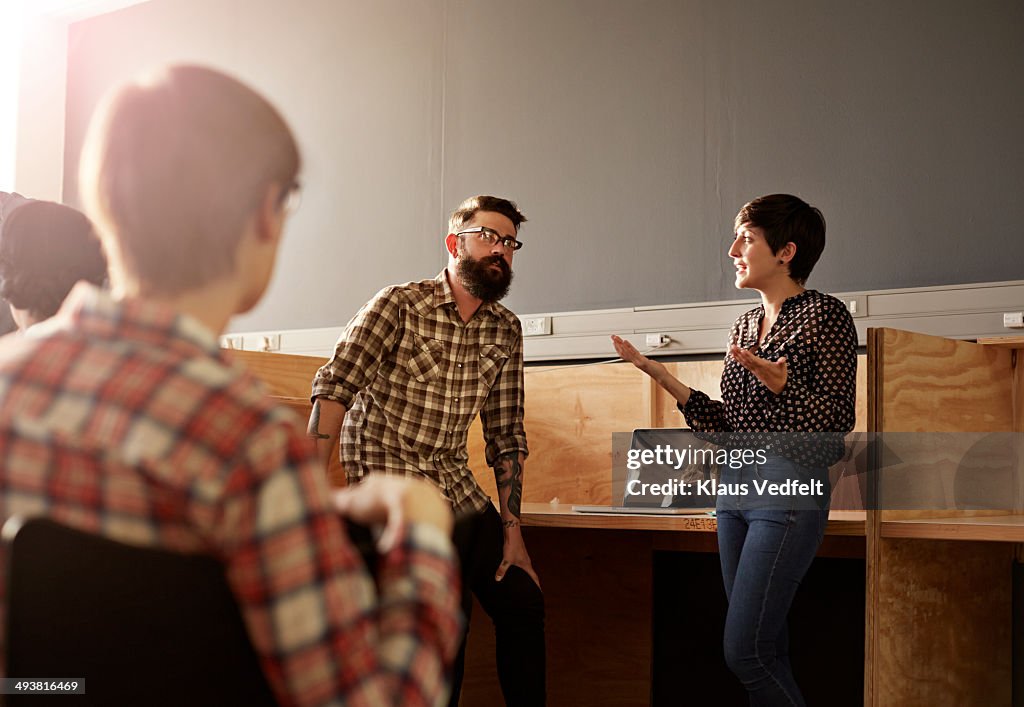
772 374
508 475
514 553
393 501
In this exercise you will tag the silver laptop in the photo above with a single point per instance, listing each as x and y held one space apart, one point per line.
647 511
668 462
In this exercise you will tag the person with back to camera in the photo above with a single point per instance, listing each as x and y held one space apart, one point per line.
788 391
122 416
45 248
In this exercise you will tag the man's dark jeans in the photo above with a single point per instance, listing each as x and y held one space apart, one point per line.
515 605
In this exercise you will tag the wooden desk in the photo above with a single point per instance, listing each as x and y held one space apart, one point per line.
938 595
551 515
599 574
1002 528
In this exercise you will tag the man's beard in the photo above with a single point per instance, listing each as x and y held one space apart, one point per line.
481 280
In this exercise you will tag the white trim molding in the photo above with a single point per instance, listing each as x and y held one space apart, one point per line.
954 311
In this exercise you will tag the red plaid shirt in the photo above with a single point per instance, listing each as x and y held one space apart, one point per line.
125 419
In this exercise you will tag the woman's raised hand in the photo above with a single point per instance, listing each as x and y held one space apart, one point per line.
628 353
655 369
772 373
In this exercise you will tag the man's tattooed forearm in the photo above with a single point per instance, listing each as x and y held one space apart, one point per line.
509 474
314 423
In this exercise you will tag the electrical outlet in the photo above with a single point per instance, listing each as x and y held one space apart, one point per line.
857 306
1013 320
270 342
231 342
536 326
655 340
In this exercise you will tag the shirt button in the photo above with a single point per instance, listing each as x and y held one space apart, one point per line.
456 400
458 365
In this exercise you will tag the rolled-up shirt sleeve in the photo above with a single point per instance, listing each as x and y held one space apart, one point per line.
368 338
502 412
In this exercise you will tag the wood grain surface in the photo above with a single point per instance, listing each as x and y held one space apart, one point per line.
938 611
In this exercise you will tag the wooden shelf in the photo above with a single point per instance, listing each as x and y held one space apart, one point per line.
562 516
1008 528
1012 342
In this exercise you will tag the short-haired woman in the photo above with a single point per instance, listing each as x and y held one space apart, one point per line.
788 387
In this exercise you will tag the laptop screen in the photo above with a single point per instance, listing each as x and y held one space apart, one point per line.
664 468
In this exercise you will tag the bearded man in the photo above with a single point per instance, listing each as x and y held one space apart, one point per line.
410 373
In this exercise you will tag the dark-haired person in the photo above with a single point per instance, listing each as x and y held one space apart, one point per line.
45 248
121 415
788 389
9 201
410 373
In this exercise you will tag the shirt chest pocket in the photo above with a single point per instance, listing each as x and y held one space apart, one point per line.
492 359
427 359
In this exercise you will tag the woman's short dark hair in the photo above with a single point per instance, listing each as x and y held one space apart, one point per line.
784 219
45 248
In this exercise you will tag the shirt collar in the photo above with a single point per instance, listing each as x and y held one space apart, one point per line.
793 301
788 303
443 290
443 295
96 313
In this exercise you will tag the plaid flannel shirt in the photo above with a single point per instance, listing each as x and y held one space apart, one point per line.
413 376
125 419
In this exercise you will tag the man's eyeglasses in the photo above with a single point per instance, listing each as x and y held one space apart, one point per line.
290 198
490 237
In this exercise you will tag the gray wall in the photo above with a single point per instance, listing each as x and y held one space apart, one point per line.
629 132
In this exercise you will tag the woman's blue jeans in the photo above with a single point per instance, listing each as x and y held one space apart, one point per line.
766 544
